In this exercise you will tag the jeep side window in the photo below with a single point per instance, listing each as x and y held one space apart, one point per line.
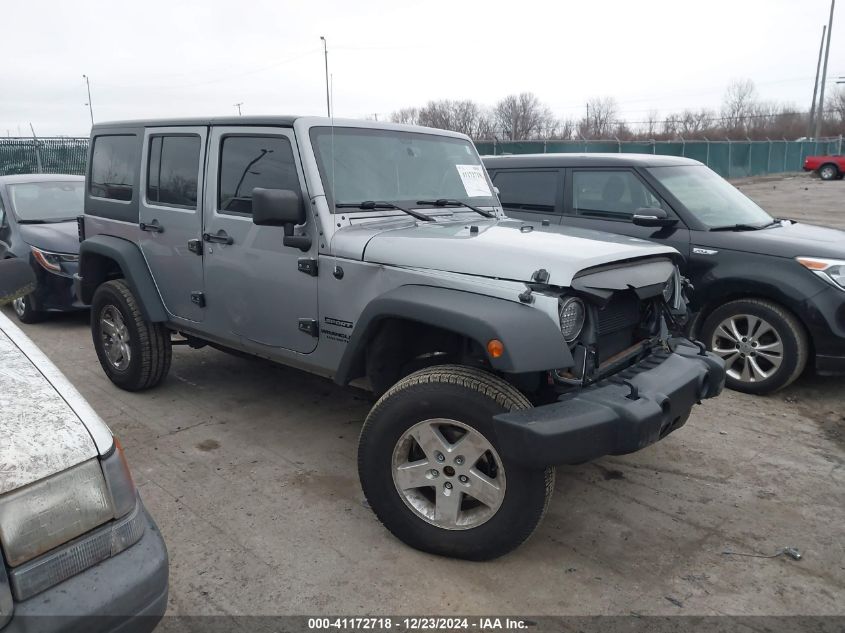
528 190
172 171
609 194
247 162
113 167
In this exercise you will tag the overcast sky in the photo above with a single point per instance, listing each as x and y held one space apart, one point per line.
157 58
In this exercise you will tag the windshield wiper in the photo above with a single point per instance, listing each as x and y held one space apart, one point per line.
740 227
371 204
442 202
53 221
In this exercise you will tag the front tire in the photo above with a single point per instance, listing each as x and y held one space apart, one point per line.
764 347
24 308
134 353
829 172
432 470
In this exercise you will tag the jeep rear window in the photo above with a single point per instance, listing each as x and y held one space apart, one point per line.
247 162
113 167
360 164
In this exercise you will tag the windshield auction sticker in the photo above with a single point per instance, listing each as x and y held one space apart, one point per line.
474 180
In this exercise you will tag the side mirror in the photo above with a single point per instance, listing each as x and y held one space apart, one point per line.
280 207
17 279
652 217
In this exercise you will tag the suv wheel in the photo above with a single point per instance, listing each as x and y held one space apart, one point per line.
829 172
25 310
433 474
764 347
134 354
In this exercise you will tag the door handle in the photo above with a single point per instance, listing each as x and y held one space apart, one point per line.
152 227
221 237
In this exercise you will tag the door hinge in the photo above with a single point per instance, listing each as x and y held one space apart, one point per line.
307 265
195 246
309 326
198 298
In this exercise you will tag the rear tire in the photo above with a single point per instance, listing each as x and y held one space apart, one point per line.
764 346
25 310
134 353
431 469
829 171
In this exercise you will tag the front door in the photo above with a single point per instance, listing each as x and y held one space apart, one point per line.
170 215
606 200
253 288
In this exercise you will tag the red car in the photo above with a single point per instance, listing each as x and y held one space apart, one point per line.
828 167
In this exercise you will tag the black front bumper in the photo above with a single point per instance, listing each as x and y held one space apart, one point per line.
612 417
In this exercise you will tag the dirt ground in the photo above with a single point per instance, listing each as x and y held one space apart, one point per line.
250 471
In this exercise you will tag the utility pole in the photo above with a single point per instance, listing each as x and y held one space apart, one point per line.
238 106
37 150
820 115
89 104
326 58
811 126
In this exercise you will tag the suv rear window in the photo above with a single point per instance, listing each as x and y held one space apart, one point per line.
113 167
528 190
172 171
247 162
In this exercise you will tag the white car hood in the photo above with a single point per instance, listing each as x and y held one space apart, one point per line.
42 431
505 249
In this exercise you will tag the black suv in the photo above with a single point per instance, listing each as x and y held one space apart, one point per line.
769 293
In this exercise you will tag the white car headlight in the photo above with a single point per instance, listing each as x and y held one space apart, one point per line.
47 513
831 270
572 314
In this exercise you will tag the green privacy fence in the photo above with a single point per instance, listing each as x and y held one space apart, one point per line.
61 155
730 159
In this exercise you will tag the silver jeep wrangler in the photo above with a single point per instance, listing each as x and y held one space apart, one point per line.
379 253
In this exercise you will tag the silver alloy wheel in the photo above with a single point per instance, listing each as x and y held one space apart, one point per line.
448 474
828 172
750 346
19 306
115 338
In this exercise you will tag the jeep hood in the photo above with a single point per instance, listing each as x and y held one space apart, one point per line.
505 249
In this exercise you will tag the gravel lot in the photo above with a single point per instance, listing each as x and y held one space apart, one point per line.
250 471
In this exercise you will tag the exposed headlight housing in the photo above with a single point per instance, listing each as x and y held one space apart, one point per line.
52 261
831 270
572 313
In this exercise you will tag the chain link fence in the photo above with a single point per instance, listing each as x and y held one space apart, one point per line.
729 159
62 155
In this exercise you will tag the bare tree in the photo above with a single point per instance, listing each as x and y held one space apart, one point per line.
523 116
835 107
650 128
738 105
600 119
408 116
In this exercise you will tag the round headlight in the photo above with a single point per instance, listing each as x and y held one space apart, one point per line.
572 314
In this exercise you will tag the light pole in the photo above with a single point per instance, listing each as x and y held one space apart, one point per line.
820 115
326 58
89 104
238 106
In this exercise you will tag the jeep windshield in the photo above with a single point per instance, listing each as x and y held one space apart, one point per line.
711 199
364 164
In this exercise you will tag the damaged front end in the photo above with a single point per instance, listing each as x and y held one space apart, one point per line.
614 316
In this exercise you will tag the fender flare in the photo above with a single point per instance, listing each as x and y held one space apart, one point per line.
132 264
532 341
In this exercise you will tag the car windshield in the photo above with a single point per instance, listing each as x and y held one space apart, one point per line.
364 164
710 198
47 201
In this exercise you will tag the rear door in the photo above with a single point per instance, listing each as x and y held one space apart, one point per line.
606 200
254 289
170 215
531 194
